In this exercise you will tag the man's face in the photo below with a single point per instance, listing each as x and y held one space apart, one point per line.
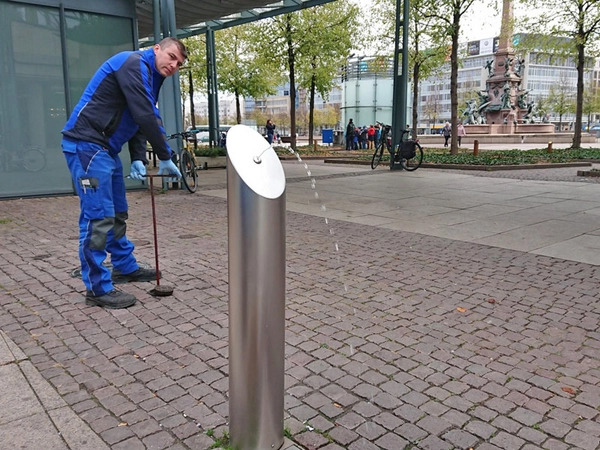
168 59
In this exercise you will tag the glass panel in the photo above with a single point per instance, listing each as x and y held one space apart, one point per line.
32 103
32 97
91 40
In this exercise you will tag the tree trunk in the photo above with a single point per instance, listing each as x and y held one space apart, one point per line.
238 110
560 123
454 83
579 102
291 60
311 109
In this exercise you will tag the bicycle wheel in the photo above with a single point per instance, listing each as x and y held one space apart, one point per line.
377 155
415 162
189 176
33 160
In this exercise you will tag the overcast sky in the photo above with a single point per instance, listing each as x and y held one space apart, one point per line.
480 22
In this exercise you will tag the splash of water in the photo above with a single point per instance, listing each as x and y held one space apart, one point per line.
313 185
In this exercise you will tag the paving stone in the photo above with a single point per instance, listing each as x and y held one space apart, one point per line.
582 440
507 441
555 428
343 436
481 429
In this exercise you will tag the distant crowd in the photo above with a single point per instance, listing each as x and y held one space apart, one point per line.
361 138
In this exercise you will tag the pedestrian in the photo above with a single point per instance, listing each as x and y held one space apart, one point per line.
270 126
350 135
117 107
364 132
446 132
371 136
460 132
377 134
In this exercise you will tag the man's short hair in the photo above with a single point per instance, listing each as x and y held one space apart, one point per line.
168 41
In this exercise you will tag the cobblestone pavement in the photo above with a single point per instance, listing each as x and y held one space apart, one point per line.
427 343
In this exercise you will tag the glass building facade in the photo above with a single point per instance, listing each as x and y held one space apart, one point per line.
48 53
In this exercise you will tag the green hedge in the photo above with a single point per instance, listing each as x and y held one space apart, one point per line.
514 157
210 152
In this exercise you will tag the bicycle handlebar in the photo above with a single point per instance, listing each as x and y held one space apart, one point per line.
183 134
389 127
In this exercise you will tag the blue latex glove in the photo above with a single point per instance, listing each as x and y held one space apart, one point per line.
137 170
168 168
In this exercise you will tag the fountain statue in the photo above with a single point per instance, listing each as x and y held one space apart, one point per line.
504 104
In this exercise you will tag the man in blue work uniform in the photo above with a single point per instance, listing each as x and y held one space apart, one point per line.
117 107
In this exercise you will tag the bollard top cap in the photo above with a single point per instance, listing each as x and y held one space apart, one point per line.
255 161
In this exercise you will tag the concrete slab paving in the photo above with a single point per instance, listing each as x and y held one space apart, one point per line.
584 248
31 432
18 397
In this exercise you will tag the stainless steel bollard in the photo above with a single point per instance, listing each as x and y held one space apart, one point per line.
256 223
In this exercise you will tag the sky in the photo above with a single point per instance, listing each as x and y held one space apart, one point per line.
481 21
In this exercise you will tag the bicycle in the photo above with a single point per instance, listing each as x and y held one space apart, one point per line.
31 159
385 140
188 164
409 154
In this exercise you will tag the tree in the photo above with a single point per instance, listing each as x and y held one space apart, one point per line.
193 75
432 107
578 20
560 99
428 47
450 12
333 27
306 46
241 69
591 102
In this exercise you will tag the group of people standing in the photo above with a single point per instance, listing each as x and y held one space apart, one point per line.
361 138
447 132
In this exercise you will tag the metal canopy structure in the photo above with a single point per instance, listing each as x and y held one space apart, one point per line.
195 17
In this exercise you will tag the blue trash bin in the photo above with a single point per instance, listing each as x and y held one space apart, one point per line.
327 136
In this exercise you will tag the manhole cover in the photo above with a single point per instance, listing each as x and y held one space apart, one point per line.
188 236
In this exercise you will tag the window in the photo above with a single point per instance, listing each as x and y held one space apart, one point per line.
33 106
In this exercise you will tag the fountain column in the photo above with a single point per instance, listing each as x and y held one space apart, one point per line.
256 231
503 82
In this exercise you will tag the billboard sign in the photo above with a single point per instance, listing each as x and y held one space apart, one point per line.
473 48
486 46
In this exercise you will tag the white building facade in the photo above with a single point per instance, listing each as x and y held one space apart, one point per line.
542 72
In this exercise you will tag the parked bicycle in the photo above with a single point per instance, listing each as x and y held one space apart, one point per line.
30 159
188 164
409 153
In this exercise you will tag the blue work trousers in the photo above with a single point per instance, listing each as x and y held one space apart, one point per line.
98 179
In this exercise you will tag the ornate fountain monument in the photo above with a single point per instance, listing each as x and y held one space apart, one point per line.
504 107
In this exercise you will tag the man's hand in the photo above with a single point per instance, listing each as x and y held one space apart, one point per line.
137 170
168 168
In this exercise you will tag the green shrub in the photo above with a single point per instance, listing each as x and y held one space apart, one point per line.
210 152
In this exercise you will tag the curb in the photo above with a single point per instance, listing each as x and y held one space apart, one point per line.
487 168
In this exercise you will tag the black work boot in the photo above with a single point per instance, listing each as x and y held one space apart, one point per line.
114 299
141 274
